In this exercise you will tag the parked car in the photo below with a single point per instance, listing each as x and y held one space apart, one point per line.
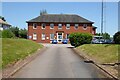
65 41
97 41
54 41
109 41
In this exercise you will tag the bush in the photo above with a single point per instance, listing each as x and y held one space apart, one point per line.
7 34
116 37
77 39
23 33
0 34
15 31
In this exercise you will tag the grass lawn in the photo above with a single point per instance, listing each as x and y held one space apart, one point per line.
103 53
16 49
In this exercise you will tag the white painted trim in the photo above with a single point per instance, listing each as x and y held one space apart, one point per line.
33 26
34 36
60 39
42 36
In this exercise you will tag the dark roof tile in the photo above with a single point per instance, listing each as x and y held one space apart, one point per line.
70 18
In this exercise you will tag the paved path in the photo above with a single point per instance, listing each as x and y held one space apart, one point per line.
58 61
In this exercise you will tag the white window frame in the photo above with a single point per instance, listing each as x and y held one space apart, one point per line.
43 24
84 26
52 25
43 36
67 25
59 25
51 36
34 24
67 36
34 36
77 26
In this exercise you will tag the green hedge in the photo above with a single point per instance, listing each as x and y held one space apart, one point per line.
77 39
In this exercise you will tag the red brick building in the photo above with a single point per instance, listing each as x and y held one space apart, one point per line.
47 27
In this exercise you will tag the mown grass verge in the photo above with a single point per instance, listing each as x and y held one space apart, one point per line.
102 53
17 49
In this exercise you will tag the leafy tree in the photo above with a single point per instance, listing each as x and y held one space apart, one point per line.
116 37
105 35
7 34
2 18
15 31
23 33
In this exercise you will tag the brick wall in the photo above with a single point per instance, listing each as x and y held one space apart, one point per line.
48 31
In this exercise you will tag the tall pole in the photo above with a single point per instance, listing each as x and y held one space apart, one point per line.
102 19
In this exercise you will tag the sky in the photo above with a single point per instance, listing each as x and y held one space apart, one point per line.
17 13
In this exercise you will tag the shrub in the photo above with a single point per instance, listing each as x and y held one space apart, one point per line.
116 37
0 34
23 33
7 34
77 39
15 31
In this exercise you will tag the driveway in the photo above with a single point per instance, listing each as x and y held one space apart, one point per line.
58 61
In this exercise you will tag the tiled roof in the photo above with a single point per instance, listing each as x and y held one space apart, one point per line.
3 22
70 18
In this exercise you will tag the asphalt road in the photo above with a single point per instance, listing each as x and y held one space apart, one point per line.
58 61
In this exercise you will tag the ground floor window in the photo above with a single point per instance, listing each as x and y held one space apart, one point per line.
43 36
51 36
34 36
67 36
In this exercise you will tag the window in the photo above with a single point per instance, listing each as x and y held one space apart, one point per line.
59 26
43 36
67 26
76 26
51 36
34 26
34 36
51 26
43 25
85 26
67 36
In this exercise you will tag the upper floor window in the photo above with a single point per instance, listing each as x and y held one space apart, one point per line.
34 36
43 25
51 26
59 26
76 26
84 26
34 26
67 26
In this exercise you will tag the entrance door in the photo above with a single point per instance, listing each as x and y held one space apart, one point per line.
59 37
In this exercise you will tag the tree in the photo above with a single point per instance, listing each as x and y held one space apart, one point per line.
116 37
105 35
7 34
2 18
23 33
43 12
15 31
